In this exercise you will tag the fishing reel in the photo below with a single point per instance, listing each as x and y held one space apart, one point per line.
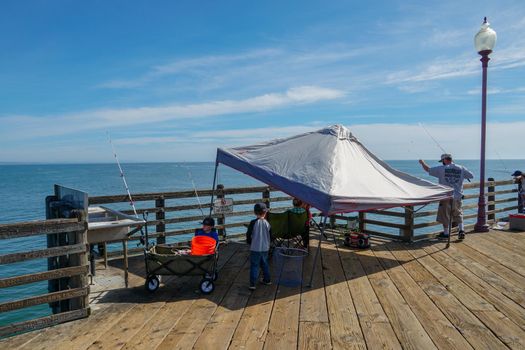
143 240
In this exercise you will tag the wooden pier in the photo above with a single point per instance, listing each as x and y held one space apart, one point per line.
405 292
394 296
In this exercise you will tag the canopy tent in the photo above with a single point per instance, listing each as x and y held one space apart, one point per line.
332 171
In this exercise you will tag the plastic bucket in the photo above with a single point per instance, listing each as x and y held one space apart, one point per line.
288 266
203 245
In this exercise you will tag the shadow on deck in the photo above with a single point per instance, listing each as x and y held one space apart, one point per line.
395 295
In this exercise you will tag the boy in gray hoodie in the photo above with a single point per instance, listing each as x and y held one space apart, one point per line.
258 236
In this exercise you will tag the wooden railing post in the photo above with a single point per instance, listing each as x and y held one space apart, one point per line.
52 262
266 197
160 215
491 199
221 219
362 223
80 259
408 232
56 208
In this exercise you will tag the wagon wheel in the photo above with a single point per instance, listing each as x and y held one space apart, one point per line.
152 283
206 286
362 243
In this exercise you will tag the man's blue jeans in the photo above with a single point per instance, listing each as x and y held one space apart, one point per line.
259 259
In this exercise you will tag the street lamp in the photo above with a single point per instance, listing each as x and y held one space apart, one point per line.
484 41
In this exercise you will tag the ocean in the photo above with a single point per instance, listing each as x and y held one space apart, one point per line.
23 189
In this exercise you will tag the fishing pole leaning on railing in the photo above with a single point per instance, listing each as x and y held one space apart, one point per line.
131 202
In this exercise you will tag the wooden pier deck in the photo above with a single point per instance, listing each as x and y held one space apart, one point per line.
393 296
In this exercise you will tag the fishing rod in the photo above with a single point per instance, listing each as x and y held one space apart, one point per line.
122 176
433 139
195 190
437 143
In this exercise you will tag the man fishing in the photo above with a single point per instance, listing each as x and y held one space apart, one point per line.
452 175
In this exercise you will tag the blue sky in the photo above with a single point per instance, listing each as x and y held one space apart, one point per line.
174 80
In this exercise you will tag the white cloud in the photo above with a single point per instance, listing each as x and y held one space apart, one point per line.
188 65
436 70
149 140
31 126
388 141
517 108
461 66
496 91
259 133
410 141
445 38
268 68
509 57
228 137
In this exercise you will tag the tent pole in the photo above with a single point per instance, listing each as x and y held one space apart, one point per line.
317 250
213 186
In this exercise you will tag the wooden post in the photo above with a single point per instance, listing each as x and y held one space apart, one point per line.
160 215
125 250
491 198
362 223
106 255
80 259
55 209
220 219
408 232
52 263
266 197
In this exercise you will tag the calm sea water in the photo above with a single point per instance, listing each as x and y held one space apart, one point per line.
23 189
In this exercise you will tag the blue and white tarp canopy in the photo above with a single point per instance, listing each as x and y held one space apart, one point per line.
332 171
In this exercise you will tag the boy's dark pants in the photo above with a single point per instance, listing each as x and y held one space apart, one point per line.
259 259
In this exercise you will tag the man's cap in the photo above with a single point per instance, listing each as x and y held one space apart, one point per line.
208 221
260 207
445 156
517 173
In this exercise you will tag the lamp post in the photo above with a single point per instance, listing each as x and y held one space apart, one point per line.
484 41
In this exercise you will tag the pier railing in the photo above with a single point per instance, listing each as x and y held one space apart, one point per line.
411 223
173 214
74 274
404 223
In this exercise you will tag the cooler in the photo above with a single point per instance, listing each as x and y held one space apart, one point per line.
517 222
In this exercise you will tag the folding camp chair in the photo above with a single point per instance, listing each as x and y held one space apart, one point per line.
289 229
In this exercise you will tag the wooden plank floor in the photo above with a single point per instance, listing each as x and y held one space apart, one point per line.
392 296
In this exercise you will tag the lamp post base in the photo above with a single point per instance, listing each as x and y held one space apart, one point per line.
481 228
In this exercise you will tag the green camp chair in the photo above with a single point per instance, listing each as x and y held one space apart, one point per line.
279 224
289 229
298 228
